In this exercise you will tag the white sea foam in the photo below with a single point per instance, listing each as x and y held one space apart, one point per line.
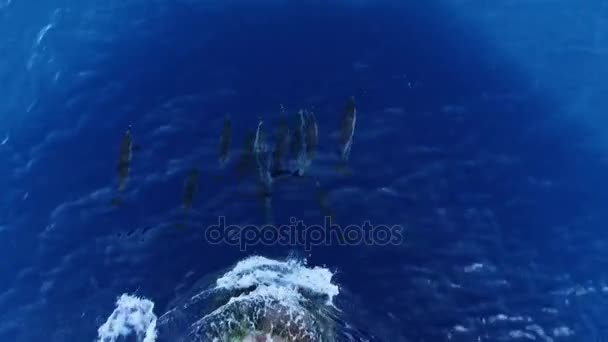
257 297
133 315
292 274
562 331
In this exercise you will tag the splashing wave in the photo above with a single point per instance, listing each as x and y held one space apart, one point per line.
258 299
133 315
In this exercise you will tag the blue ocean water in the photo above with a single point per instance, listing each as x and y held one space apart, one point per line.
480 130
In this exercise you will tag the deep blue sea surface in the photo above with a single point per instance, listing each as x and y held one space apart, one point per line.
481 130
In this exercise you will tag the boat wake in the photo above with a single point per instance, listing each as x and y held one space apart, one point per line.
259 299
